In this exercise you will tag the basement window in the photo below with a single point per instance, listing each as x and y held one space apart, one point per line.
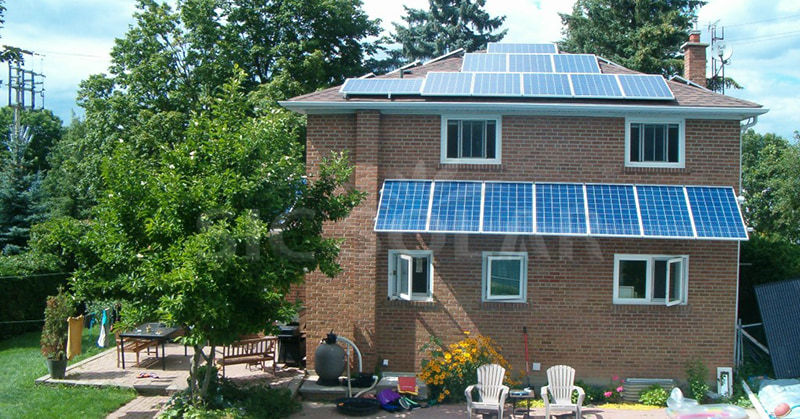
650 279
411 275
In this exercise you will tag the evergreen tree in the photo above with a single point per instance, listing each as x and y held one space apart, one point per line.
20 188
447 26
643 35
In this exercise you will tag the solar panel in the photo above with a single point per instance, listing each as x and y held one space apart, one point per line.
715 212
530 63
575 63
404 206
485 62
545 84
448 84
495 47
381 86
595 85
497 84
664 211
508 208
560 208
612 210
456 207
644 86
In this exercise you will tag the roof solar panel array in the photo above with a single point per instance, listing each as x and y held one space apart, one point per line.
560 209
497 47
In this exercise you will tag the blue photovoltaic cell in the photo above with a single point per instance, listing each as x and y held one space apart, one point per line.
576 63
508 208
497 84
644 86
715 212
530 63
507 48
484 62
403 206
560 209
664 211
448 84
544 84
381 86
612 210
456 207
595 85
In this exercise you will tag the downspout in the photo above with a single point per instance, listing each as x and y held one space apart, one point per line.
752 121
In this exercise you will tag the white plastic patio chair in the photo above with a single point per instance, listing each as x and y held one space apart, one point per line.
557 394
491 390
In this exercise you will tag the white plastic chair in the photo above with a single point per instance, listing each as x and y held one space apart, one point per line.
491 390
557 394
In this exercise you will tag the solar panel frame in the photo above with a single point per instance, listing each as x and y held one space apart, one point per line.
595 86
561 209
713 203
530 63
508 208
644 86
665 212
448 84
485 63
546 85
576 64
613 210
382 86
456 207
497 84
521 48
410 199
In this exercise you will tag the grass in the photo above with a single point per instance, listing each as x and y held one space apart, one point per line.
21 364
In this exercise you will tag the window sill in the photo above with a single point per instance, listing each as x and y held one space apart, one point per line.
644 308
655 169
481 167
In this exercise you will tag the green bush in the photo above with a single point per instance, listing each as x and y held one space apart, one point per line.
654 395
696 373
594 394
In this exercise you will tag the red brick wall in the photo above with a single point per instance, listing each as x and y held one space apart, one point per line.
569 315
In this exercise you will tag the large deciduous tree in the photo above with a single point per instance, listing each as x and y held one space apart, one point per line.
446 26
644 35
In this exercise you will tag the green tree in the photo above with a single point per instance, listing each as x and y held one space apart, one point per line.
208 226
643 35
45 129
446 26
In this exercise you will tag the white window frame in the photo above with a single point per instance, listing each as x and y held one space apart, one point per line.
671 262
469 160
488 258
665 121
395 291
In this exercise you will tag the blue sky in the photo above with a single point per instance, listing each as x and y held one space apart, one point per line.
74 38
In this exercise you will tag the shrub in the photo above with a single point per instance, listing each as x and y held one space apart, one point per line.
654 395
696 373
54 333
613 391
449 370
594 394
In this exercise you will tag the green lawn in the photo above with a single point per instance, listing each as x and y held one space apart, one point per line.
21 364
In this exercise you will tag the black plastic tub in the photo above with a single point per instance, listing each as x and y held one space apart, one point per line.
357 406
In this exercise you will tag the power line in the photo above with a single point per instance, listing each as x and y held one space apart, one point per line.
766 37
764 21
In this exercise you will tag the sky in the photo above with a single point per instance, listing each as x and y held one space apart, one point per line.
73 40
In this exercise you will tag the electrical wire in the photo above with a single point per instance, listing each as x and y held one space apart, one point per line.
33 275
762 21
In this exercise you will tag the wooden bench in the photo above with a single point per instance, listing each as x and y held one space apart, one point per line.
136 345
251 350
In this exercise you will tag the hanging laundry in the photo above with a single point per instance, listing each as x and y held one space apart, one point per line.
101 341
74 336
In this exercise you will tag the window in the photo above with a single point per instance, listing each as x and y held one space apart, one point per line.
505 276
646 279
471 140
411 275
654 144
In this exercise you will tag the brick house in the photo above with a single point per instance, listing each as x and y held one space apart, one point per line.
525 187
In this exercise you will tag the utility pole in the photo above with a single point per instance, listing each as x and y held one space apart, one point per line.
23 88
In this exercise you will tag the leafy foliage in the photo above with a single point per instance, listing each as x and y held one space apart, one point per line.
696 375
644 35
446 26
655 395
54 333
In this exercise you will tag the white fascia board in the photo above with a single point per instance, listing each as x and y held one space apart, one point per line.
555 109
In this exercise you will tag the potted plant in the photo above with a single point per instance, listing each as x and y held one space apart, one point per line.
54 333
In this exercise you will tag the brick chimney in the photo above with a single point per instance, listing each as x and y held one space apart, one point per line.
694 59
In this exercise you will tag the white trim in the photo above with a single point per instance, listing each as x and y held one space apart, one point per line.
498 141
392 275
649 277
681 164
487 259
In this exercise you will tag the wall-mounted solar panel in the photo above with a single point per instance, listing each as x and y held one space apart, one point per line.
456 207
497 84
644 86
716 214
508 48
546 84
595 86
530 63
485 63
403 206
381 86
560 208
448 84
508 207
612 210
664 211
576 63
